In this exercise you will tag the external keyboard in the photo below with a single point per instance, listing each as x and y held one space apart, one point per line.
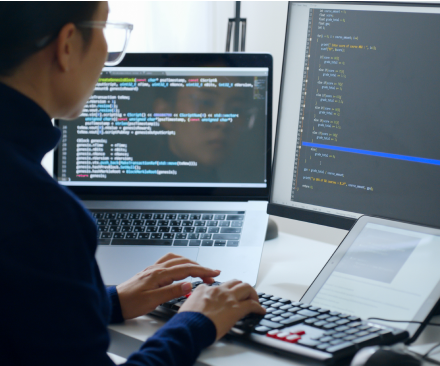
182 228
303 330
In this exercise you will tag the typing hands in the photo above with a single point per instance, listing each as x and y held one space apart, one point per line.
154 285
224 304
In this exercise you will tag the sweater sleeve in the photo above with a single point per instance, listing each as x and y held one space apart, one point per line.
178 343
115 306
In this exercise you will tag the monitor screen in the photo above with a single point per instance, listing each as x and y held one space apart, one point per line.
358 121
169 127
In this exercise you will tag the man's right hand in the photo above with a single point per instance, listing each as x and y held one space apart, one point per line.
224 304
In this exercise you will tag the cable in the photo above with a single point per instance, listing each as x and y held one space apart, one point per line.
403 321
430 350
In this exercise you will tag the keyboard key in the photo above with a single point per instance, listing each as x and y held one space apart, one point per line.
146 216
175 223
230 230
213 230
207 217
267 296
322 311
195 217
285 307
286 315
126 229
320 323
158 216
134 216
284 301
194 243
106 235
114 229
188 229
339 335
151 222
168 236
277 319
164 229
352 331
232 243
120 235
342 328
151 229
219 217
342 321
270 324
294 309
103 228
181 243
193 236
160 242
162 223
277 311
333 313
326 339
200 229
138 222
323 316
183 216
199 223
236 223
323 346
308 342
293 320
139 229
156 236
187 223
224 223
349 338
98 215
235 217
305 312
176 229
226 236
207 243
269 316
329 332
329 326
126 222
114 222
262 329
170 216
205 236
310 320
211 223
181 236
219 243
131 235
332 319
102 222
110 216
143 236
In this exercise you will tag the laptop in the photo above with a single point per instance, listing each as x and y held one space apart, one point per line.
172 153
381 286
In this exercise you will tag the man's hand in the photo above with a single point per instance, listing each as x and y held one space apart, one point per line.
224 304
153 286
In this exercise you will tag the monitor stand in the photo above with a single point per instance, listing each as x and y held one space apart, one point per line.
272 230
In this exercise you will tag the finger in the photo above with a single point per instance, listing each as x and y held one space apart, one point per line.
176 261
231 283
170 292
183 271
167 257
251 306
208 280
244 291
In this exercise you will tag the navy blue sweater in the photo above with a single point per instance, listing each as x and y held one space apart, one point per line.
54 307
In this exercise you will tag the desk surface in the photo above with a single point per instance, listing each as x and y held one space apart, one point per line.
289 265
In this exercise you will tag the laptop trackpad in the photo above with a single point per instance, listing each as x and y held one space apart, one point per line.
118 264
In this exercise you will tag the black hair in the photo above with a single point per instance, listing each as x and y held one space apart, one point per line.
28 26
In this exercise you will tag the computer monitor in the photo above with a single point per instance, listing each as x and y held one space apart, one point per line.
172 125
358 122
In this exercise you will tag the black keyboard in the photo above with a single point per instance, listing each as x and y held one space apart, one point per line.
297 329
169 228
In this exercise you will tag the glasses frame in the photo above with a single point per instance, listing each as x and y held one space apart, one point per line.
100 24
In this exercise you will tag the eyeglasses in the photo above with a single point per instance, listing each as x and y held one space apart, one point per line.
116 35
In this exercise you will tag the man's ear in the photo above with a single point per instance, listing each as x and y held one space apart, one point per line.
67 46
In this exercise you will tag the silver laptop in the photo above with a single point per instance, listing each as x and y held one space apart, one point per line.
172 153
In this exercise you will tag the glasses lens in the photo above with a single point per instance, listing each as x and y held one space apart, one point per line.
117 39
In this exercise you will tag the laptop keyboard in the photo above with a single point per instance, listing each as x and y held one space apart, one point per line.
169 228
328 334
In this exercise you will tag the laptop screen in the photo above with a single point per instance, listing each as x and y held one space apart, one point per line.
170 127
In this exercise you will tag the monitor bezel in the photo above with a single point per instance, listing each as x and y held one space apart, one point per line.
300 214
234 60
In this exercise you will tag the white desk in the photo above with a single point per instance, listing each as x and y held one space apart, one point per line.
289 264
